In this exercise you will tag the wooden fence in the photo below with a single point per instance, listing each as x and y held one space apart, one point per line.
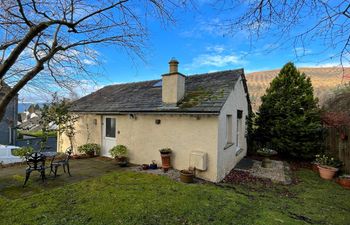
338 144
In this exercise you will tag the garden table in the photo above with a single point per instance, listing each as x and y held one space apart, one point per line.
36 162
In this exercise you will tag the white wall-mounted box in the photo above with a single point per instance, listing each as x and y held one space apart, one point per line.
198 160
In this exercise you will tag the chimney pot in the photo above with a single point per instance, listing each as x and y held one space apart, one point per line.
173 66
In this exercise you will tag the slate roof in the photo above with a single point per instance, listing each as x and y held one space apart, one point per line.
204 93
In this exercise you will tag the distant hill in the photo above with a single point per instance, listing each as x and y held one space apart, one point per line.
323 79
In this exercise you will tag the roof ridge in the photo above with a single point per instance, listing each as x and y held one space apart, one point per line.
210 73
191 75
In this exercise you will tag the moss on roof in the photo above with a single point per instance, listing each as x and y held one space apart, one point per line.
197 96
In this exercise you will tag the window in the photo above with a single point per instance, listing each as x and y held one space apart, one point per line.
229 130
239 127
110 127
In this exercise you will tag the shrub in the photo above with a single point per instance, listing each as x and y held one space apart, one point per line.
21 152
90 149
289 118
119 151
165 151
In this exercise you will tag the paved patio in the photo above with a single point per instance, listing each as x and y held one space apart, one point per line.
279 171
12 178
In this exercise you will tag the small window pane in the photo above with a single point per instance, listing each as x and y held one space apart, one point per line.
229 129
110 127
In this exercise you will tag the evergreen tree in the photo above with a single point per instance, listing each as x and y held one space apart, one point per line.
289 118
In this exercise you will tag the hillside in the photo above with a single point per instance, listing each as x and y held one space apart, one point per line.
323 80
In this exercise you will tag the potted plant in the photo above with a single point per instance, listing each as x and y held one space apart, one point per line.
153 165
90 149
344 181
165 154
120 153
327 166
186 176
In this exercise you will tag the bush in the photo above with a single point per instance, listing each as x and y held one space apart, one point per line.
289 118
90 149
21 152
119 151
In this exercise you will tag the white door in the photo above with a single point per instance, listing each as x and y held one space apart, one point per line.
109 134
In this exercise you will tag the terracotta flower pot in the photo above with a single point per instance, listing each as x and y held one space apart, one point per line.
186 176
165 161
91 154
344 182
327 172
145 166
122 161
314 167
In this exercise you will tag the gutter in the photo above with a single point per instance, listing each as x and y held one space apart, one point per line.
148 113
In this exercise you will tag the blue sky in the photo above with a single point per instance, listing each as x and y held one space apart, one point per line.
200 46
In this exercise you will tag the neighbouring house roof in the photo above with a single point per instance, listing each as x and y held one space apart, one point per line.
204 93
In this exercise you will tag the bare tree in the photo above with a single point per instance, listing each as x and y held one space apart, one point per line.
300 22
51 39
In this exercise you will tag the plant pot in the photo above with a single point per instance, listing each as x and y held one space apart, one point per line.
145 166
186 176
153 166
314 167
91 154
343 136
344 182
165 161
122 161
75 156
327 172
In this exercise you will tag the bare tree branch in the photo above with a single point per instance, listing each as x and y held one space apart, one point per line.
51 42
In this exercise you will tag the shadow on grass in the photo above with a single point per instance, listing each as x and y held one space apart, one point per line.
12 178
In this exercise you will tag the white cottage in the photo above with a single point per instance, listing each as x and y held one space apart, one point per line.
202 118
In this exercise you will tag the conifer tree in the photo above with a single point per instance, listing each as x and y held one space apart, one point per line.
289 118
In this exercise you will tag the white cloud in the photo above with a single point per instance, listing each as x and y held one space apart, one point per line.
216 48
89 62
300 51
213 27
215 60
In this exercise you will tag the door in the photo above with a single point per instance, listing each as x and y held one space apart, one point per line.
109 134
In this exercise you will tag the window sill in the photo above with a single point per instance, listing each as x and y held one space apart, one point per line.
228 145
239 151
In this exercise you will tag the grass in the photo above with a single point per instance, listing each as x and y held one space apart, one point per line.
124 197
36 133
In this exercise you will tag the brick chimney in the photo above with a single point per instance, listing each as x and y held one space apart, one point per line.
173 85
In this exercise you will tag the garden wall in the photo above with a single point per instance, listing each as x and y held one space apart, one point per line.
338 144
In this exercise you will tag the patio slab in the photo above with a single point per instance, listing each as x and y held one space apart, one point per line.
279 171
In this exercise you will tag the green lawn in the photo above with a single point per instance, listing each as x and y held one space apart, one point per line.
123 197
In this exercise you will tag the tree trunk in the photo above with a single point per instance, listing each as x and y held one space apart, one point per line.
14 91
